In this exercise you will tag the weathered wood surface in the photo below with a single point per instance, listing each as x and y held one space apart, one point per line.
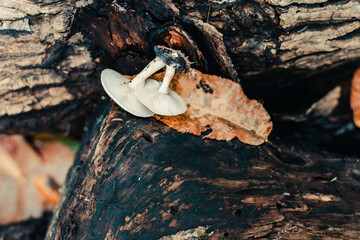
45 68
137 179
52 52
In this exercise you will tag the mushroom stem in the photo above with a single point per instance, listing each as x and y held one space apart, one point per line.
169 73
149 70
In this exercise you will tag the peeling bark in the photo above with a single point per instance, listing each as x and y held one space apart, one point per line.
52 52
138 179
47 72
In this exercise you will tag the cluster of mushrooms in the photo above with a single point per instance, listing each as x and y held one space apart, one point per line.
144 97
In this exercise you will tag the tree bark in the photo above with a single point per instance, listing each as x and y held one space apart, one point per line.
52 52
47 74
138 179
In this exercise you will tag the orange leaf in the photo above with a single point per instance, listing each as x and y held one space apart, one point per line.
218 104
48 188
355 97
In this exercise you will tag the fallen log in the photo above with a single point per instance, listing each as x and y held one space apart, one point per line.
52 53
138 179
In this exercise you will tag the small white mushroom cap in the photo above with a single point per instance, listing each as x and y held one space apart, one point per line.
169 104
117 87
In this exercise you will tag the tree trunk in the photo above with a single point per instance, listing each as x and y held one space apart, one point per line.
138 179
52 52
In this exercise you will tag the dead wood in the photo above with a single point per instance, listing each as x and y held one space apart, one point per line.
52 52
137 179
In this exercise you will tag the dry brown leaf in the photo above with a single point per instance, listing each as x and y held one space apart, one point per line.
23 190
48 188
355 97
218 104
326 105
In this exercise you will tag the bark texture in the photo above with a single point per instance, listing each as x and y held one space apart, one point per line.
53 51
137 179
46 69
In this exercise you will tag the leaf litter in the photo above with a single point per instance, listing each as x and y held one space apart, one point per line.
217 107
30 179
326 105
355 97
322 108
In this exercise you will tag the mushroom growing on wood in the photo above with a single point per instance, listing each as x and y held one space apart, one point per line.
121 90
157 96
149 96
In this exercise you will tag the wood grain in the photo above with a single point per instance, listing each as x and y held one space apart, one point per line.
138 179
52 52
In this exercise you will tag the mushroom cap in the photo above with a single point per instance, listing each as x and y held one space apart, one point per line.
170 104
174 58
117 87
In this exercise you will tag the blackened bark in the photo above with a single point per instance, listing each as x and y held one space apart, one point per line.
137 179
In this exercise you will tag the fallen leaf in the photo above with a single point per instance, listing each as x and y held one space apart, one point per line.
326 105
218 105
26 189
48 188
355 97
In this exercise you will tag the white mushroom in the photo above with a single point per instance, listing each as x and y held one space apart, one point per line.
121 90
143 97
157 96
